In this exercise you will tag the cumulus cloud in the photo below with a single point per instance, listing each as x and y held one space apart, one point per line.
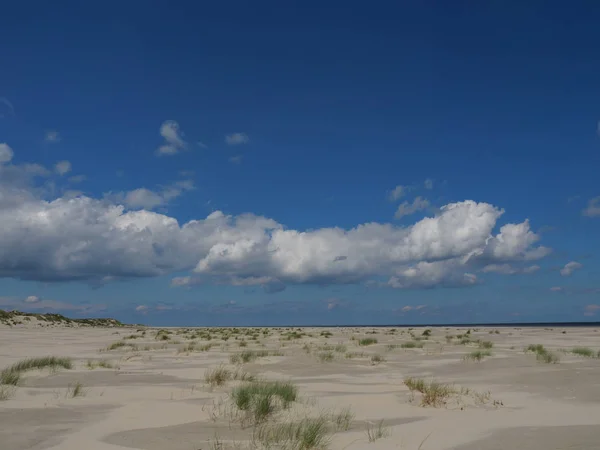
397 193
62 167
77 178
173 137
570 267
143 198
32 299
118 237
507 269
52 136
237 139
6 153
408 208
593 208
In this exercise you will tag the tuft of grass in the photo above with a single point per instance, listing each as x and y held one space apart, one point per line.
412 344
217 376
308 433
6 392
542 354
477 355
352 355
12 374
433 393
367 341
378 431
377 359
486 344
75 390
247 356
583 351
343 419
91 364
260 399
325 356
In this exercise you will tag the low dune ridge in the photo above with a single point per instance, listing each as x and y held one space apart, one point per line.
28 320
113 387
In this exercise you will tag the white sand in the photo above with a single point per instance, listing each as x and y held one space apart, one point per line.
157 399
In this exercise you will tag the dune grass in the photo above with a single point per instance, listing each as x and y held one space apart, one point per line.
260 399
367 341
308 433
377 359
221 375
433 393
12 374
247 356
477 355
377 431
75 390
583 351
486 344
412 344
542 354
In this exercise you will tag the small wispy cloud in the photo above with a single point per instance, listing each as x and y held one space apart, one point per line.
591 310
143 198
173 137
507 269
593 208
428 184
77 178
570 268
52 136
62 167
237 139
6 153
397 193
6 108
235 159
201 144
408 208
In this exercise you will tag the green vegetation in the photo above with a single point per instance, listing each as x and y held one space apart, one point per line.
412 344
12 374
377 431
583 351
260 399
433 393
9 318
542 354
308 433
367 341
478 355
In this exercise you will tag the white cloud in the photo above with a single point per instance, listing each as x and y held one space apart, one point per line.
236 159
77 178
428 183
397 193
237 139
6 153
62 167
593 208
99 240
406 208
570 267
201 144
52 136
173 137
6 108
143 198
507 269
32 299
556 289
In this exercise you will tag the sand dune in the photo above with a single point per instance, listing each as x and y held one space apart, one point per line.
143 388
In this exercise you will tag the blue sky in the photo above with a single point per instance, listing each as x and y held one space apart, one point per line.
269 162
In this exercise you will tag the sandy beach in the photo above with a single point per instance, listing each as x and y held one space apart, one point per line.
380 388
